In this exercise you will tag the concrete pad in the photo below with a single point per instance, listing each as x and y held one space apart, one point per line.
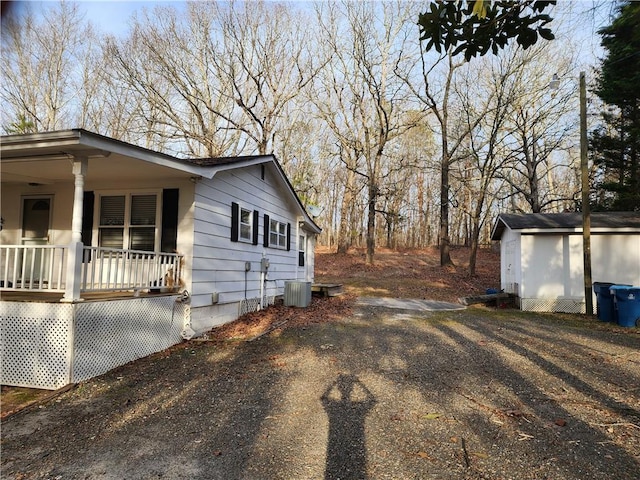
409 304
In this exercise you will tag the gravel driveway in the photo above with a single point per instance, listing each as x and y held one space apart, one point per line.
383 394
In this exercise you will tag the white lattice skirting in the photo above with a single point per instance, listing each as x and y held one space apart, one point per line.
249 305
564 305
49 345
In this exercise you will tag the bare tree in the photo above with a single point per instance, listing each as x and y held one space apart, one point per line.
487 96
541 126
218 79
433 87
40 55
359 95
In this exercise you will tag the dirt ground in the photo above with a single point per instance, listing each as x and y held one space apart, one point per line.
347 390
410 274
405 274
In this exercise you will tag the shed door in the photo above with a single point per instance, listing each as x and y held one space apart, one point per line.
36 220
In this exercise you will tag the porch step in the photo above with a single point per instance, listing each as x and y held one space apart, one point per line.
327 289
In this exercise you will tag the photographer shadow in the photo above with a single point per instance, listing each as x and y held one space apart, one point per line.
347 401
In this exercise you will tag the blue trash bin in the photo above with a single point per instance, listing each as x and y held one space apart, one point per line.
604 301
627 305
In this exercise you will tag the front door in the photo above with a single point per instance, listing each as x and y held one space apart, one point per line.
36 220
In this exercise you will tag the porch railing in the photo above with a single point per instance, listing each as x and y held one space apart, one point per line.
37 268
42 268
108 269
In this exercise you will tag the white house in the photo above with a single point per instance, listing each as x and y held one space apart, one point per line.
109 251
541 256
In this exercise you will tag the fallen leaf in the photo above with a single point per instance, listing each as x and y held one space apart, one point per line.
560 422
479 454
426 456
431 416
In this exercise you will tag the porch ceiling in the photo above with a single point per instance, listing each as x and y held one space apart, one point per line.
47 158
57 168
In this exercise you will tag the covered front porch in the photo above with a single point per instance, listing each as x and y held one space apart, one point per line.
90 277
48 344
57 329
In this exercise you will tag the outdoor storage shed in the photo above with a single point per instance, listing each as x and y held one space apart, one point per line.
541 256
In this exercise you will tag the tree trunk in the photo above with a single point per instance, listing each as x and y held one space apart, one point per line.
344 231
371 224
443 237
473 255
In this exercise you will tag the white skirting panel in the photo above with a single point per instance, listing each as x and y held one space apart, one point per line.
49 345
36 343
564 305
110 334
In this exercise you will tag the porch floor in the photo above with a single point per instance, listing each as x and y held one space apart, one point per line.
56 297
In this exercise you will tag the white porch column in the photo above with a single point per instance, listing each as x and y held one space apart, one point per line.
74 260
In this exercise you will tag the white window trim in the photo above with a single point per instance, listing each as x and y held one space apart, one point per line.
279 236
249 225
127 215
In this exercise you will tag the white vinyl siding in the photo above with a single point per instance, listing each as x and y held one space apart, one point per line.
218 263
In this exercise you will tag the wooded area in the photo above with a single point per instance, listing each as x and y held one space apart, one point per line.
366 122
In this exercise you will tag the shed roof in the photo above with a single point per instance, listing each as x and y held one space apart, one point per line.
565 222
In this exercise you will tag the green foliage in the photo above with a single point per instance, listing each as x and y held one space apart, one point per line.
21 126
616 144
475 27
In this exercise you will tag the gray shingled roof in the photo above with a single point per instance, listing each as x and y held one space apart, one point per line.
212 162
564 221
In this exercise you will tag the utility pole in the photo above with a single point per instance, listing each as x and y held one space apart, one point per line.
586 210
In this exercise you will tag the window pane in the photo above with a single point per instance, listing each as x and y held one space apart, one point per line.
112 210
142 238
245 224
143 210
111 237
282 228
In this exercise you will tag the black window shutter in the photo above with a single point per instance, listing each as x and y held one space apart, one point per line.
255 226
288 236
301 259
265 230
235 221
87 218
88 203
169 233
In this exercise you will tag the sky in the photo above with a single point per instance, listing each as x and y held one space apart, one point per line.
111 16
585 17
